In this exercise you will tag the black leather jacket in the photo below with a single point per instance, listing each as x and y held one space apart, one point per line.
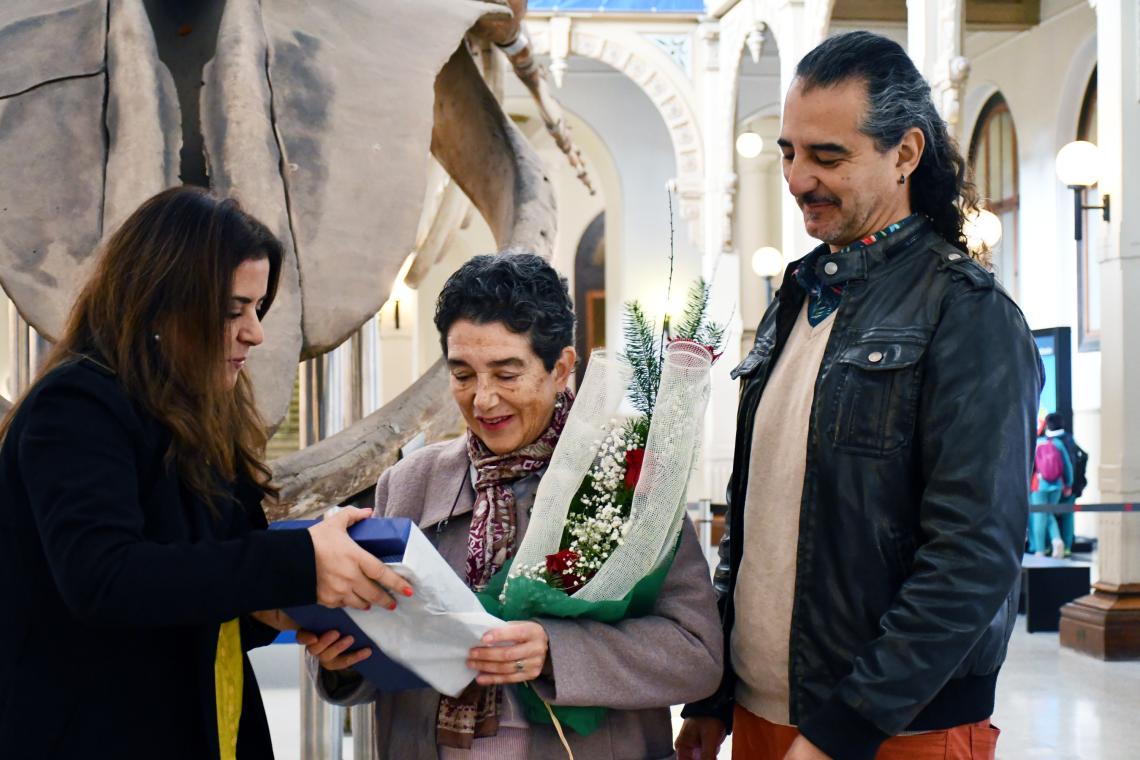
915 497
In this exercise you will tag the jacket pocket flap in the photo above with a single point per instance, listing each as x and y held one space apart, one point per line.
882 355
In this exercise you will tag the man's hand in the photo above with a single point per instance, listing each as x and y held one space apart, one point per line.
329 648
802 749
514 653
700 739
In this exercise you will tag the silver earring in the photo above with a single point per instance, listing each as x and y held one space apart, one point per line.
902 179
157 338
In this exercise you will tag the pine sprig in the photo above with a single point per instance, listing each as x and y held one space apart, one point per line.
712 335
642 354
696 305
695 324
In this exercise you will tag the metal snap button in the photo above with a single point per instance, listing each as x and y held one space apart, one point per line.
954 256
830 267
875 357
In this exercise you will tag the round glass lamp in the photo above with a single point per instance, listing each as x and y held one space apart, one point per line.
1078 164
749 144
767 261
982 229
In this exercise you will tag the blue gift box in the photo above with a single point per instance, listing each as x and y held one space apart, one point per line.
385 538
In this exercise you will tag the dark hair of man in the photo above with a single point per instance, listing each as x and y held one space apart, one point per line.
1054 421
521 290
154 311
898 99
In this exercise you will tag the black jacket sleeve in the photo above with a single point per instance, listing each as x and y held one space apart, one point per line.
79 457
976 422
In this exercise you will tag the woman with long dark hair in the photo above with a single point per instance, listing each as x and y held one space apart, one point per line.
134 563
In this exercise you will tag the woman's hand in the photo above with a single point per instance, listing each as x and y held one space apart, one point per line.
348 576
511 654
275 619
700 739
329 649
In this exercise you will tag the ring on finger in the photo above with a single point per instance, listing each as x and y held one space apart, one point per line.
520 666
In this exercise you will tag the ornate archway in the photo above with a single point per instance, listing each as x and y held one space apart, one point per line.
658 76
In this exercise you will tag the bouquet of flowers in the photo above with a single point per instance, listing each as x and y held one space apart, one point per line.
609 510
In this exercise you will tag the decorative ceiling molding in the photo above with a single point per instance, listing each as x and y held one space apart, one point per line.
677 46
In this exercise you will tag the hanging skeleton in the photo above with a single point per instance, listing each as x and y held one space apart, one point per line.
318 117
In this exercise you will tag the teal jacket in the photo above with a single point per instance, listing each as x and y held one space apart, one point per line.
1050 491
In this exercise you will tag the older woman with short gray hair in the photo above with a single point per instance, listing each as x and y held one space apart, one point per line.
506 327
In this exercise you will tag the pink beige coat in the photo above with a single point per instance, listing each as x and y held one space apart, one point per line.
638 667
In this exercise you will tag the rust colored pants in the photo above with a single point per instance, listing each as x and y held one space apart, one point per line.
754 738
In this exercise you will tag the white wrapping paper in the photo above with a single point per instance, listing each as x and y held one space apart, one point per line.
431 632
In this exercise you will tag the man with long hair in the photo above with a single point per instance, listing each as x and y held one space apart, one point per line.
878 503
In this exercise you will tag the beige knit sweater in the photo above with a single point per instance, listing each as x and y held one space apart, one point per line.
766 579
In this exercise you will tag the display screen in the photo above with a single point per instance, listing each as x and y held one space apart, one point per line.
1046 346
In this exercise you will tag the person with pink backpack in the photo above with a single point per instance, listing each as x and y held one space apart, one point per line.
1051 482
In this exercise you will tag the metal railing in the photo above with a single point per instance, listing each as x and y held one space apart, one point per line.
1062 509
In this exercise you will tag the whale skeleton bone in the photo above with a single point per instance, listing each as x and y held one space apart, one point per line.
318 118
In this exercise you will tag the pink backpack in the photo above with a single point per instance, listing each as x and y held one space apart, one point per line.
1047 462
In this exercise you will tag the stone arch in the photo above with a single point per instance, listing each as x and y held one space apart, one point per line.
589 278
659 78
736 41
1072 91
794 28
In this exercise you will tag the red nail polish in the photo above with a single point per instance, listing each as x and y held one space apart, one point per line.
367 607
407 592
392 606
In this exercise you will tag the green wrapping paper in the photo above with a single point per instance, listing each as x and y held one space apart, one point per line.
527 599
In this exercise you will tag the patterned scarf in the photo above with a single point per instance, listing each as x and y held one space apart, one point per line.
824 299
490 543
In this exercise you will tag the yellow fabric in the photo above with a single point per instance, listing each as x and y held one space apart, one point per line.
228 676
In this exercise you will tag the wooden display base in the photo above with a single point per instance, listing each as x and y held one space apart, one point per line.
1106 623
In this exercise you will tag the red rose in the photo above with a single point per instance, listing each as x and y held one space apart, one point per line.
559 565
633 461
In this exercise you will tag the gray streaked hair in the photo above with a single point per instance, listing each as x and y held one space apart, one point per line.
898 99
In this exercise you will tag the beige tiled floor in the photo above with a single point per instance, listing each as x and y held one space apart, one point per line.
1053 704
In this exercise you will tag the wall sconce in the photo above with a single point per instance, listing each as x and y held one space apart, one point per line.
768 262
749 144
982 229
400 289
1078 166
664 308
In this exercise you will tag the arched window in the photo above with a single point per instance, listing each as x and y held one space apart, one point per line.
590 291
993 161
1088 270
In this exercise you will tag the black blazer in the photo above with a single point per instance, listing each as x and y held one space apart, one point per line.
114 579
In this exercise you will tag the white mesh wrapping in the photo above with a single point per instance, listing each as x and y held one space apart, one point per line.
596 404
659 499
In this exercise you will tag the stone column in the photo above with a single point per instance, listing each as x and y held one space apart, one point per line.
934 41
715 72
799 28
1107 622
761 194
